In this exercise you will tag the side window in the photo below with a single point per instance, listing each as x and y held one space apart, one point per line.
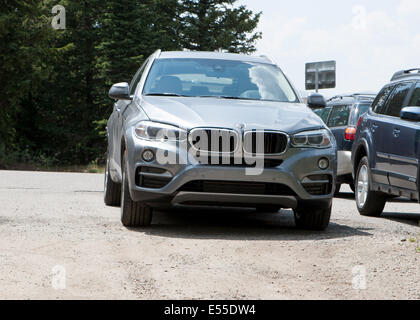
415 98
397 99
136 78
339 116
358 111
381 99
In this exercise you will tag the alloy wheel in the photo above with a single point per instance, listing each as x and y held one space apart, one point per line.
362 186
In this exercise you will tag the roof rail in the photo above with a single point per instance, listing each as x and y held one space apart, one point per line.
354 95
366 94
404 73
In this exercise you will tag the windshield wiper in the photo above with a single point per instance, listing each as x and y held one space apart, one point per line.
224 97
165 94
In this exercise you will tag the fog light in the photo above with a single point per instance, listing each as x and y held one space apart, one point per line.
323 163
148 156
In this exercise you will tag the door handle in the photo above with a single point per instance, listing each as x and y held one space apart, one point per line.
396 133
374 127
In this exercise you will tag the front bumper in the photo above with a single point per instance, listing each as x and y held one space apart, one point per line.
296 172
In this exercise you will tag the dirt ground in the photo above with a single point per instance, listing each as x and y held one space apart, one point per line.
59 241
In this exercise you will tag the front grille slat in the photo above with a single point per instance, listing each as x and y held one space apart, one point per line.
258 188
219 141
274 142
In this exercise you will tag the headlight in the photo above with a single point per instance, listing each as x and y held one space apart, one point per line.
312 139
156 131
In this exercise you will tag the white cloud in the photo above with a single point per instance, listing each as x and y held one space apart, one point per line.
366 57
409 7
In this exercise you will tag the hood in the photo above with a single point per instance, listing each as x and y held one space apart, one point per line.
191 112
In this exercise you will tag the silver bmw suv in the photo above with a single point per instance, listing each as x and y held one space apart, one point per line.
207 128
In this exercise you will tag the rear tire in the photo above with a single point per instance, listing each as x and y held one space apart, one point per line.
112 190
369 203
133 214
312 219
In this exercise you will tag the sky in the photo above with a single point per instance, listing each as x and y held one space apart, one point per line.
369 39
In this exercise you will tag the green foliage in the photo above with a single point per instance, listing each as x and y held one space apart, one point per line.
209 25
54 83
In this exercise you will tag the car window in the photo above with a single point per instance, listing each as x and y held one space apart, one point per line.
397 99
339 116
361 109
323 113
415 98
218 78
137 78
381 99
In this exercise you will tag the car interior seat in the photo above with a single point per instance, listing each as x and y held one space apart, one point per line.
199 91
169 84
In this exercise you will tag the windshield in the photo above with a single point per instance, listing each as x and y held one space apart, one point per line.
218 78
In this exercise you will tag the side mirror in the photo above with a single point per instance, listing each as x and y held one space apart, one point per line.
120 91
316 101
410 113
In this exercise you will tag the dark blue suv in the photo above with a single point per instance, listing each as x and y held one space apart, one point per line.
386 149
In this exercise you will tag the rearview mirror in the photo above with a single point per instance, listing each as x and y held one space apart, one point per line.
316 101
120 91
410 113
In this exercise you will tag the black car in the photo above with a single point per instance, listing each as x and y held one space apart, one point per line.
386 150
341 116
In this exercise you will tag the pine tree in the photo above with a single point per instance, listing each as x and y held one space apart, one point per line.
54 83
23 36
209 25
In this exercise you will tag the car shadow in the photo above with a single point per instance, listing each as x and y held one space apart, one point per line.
407 218
412 219
238 224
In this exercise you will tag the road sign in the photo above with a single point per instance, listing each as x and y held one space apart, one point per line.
320 75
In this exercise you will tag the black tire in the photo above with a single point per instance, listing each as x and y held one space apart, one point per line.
312 219
133 214
112 190
268 208
374 202
337 189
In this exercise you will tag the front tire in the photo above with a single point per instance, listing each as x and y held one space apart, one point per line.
133 214
369 203
112 190
313 219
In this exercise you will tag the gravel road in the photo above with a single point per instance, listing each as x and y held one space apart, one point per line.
59 241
